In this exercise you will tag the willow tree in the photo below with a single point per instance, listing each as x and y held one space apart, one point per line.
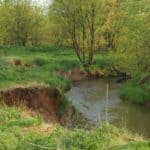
82 21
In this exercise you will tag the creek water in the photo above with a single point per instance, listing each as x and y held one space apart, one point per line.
89 98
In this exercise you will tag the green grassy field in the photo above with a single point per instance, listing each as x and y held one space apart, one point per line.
21 130
45 66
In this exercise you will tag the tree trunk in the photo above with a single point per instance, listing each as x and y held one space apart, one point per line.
90 61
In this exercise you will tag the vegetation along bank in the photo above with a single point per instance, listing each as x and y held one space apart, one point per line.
43 49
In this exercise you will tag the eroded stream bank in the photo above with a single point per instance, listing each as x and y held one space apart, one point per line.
47 101
89 98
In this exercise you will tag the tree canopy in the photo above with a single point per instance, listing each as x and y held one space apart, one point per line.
86 26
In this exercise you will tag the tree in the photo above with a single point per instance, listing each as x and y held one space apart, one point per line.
22 22
6 23
82 21
134 38
111 28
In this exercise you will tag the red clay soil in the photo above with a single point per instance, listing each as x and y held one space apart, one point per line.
43 100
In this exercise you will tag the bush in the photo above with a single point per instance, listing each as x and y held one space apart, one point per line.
135 92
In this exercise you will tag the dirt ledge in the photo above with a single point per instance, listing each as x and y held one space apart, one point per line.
43 100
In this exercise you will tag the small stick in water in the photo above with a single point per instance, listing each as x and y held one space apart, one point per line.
107 98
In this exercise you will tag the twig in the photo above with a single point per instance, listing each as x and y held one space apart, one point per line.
40 146
107 97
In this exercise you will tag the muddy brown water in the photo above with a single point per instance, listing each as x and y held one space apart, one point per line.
89 98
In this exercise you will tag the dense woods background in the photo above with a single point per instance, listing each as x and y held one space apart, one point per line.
104 25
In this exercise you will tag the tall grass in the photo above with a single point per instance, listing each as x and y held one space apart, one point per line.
20 131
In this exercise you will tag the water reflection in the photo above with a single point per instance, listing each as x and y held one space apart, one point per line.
89 97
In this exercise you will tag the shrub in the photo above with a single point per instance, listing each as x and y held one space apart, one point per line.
134 92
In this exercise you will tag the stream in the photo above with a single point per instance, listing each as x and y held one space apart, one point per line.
89 98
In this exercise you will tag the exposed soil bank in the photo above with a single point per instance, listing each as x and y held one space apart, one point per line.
44 100
77 74
49 101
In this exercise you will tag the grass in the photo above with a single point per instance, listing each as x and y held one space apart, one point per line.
136 92
46 63
41 65
45 66
19 130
